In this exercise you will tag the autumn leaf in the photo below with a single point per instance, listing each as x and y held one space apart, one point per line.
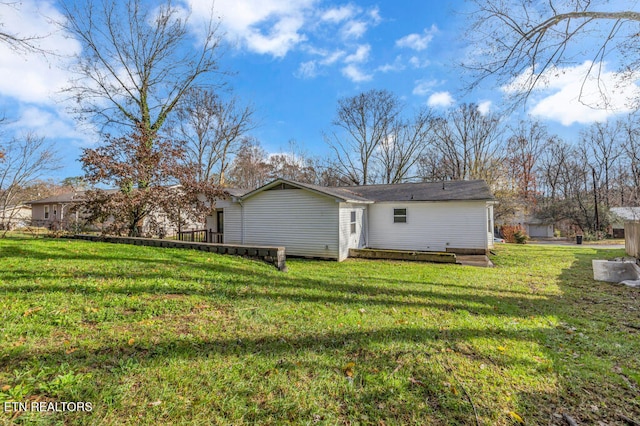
348 369
416 381
516 417
501 348
154 403
131 341
70 351
6 388
31 311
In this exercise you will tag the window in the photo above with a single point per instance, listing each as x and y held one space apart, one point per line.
399 215
353 222
46 212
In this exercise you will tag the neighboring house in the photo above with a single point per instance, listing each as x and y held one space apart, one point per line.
533 226
55 212
537 228
622 215
325 222
13 217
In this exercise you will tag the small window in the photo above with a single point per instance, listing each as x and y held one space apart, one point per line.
353 222
399 215
46 212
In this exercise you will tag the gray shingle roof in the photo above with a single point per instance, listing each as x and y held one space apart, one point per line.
461 190
67 197
473 190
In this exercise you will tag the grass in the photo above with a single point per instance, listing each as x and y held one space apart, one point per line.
152 336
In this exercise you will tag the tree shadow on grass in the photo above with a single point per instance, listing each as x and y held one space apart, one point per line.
591 349
589 307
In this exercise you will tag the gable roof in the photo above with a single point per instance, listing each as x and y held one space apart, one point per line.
340 193
627 213
67 197
473 190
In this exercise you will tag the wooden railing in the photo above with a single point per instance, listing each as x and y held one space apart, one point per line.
215 237
201 236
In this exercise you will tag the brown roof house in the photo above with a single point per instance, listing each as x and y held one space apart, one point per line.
56 213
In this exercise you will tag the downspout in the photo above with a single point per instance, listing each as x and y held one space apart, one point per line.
366 225
241 221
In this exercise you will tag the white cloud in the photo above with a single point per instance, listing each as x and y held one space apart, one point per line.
360 55
339 14
52 124
307 69
416 62
354 29
418 41
440 99
263 26
374 15
355 74
424 87
484 107
333 57
396 66
280 39
568 95
32 76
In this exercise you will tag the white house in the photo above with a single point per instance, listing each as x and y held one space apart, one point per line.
622 215
325 222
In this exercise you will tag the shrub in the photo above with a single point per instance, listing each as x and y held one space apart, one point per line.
514 234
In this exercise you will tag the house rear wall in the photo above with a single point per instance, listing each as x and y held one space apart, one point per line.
430 226
305 223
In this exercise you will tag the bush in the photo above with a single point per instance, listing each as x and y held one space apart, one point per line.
514 234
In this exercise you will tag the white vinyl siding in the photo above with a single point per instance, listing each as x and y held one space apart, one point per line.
232 232
430 226
347 239
306 224
490 225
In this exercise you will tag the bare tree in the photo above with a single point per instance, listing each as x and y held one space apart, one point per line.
23 161
468 144
631 138
528 141
364 122
250 168
399 153
138 60
602 145
532 40
213 130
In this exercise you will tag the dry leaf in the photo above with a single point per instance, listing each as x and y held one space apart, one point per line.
6 388
31 311
416 381
516 417
348 369
131 341
155 403
70 351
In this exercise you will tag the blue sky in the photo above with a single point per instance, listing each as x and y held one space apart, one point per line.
293 60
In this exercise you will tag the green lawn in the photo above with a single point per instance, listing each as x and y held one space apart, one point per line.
165 336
